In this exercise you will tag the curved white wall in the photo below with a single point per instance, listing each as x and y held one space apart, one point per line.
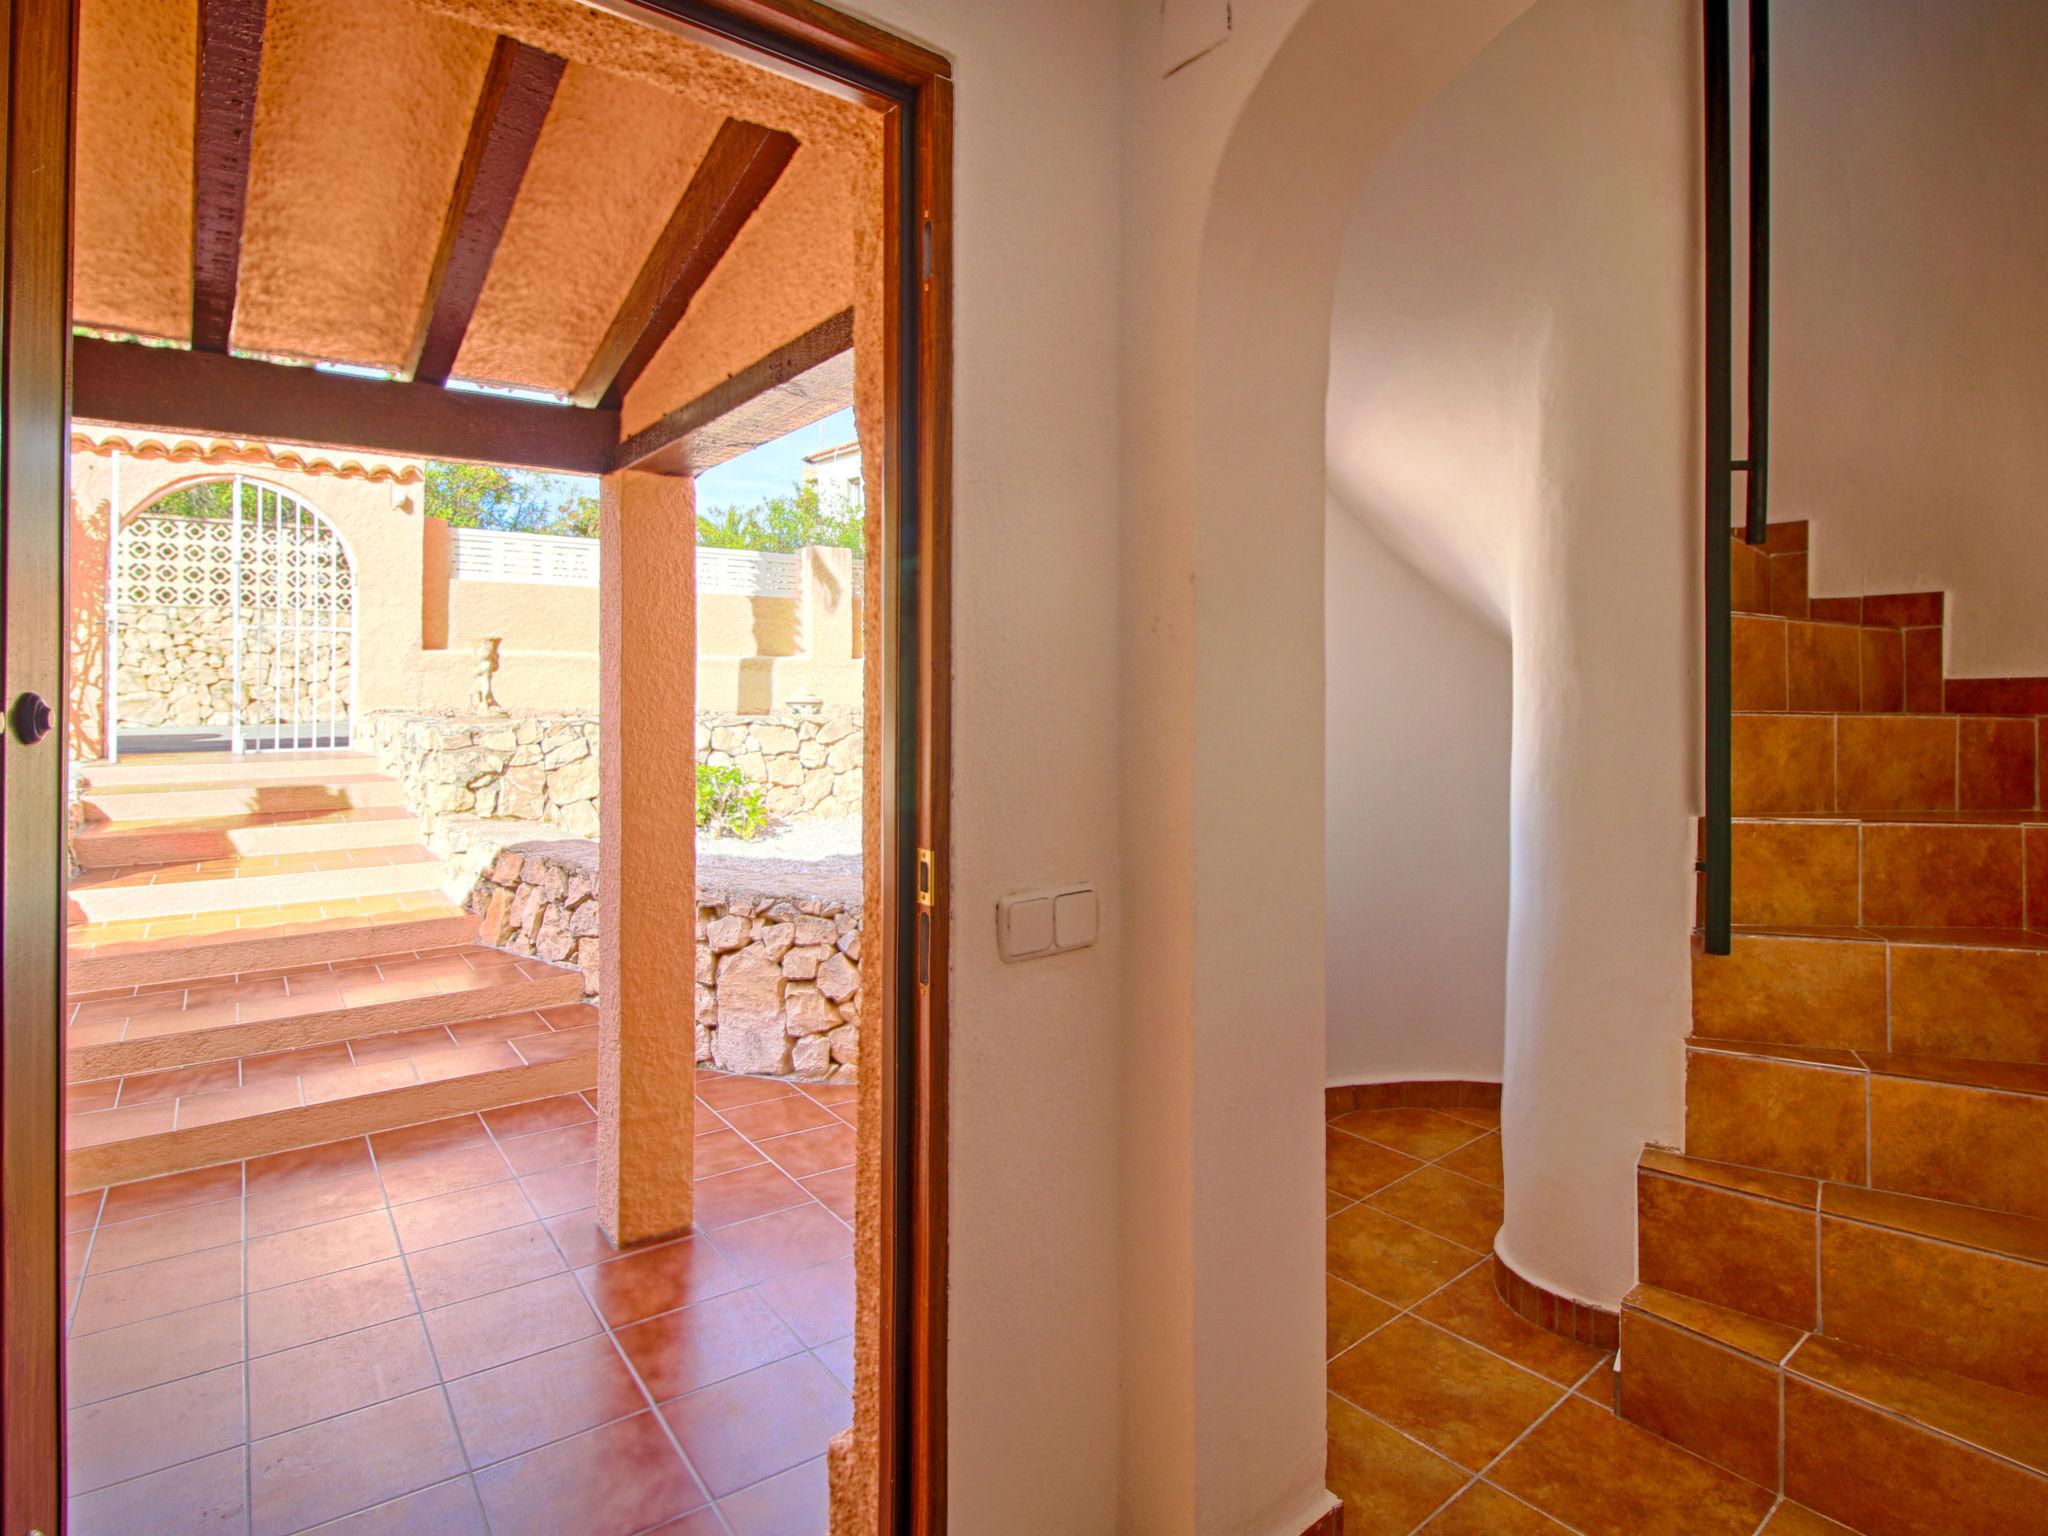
1511 404
1416 810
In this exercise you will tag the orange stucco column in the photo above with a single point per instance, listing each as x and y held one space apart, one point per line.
647 853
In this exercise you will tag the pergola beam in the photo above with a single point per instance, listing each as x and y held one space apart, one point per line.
736 173
800 382
215 394
519 87
230 61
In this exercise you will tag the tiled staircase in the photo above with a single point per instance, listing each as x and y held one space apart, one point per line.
1845 1274
262 958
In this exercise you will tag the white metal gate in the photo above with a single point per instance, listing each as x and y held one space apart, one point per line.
236 624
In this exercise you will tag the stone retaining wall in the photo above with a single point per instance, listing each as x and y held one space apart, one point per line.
177 668
778 949
806 765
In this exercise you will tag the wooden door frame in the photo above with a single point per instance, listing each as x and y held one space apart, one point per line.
912 88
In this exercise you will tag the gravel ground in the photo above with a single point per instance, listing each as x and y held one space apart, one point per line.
796 842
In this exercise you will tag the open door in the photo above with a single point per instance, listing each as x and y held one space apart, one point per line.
34 361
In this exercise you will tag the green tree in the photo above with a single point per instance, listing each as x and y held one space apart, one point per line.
785 523
207 499
510 500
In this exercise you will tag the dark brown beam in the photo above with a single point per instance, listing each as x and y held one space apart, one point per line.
230 60
735 174
128 384
801 382
518 88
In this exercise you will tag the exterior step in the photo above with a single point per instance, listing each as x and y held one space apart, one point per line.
239 884
150 1029
110 845
113 955
1951 1287
1905 870
1807 765
1954 993
254 1106
243 797
1968 1131
223 767
1957 1455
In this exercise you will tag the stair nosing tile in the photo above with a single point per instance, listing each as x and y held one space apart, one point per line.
1810 1362
1733 1178
1919 1217
1654 1302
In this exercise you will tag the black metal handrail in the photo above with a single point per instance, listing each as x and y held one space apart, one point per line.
1722 465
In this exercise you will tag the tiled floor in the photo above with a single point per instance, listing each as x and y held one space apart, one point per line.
84 939
424 1333
1448 1414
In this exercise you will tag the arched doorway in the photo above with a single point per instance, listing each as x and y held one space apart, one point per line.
230 623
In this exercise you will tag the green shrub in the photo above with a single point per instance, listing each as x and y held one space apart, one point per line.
726 805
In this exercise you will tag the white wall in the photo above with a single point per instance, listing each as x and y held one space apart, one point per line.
1910 292
1417 818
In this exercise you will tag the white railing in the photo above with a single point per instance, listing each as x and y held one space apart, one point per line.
483 554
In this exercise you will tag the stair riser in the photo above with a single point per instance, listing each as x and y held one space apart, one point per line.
314 1124
1827 874
1882 1476
191 898
1969 1146
208 801
1791 664
112 850
1718 1404
230 955
1872 764
261 1036
227 768
1734 1250
1936 1304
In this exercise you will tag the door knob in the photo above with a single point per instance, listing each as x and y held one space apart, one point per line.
31 718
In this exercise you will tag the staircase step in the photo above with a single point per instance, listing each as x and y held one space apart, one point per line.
1940 992
1738 1238
109 845
223 767
243 797
176 1025
1705 1378
306 1098
104 956
1966 1131
145 891
1788 764
1819 665
1938 870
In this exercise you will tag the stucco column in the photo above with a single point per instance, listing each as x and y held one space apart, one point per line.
647 854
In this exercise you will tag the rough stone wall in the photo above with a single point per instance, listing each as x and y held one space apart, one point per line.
778 974
807 765
529 768
176 668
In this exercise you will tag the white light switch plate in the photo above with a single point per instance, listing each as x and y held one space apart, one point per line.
1034 923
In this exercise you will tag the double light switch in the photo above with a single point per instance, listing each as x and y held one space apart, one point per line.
1034 923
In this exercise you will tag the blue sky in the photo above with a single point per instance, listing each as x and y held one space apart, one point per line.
771 469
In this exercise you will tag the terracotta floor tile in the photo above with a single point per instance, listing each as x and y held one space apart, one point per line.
1485 1511
606 1482
318 1250
207 1497
475 1266
701 1522
1472 1309
105 1125
561 1190
431 1139
837 1357
342 1465
1480 1160
308 1165
835 1191
744 1194
304 1205
465 1213
85 1098
319 1308
1356 1167
787 1240
166 1236
440 1173
782 1116
446 1509
1453 1396
580 1238
716 1152
792 1503
507 1325
551 1149
1606 1477
210 1077
694 1346
278 1066
154 1351
642 1283
123 1437
1448 1204
1388 1483
1390 1259
152 1290
558 1045
723 1092
338 1375
1349 1314
1420 1133
807 1152
1792 1520
718 1425
516 1407
537 1115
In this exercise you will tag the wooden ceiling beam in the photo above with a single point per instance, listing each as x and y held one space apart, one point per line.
215 394
798 383
736 173
230 62
519 86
